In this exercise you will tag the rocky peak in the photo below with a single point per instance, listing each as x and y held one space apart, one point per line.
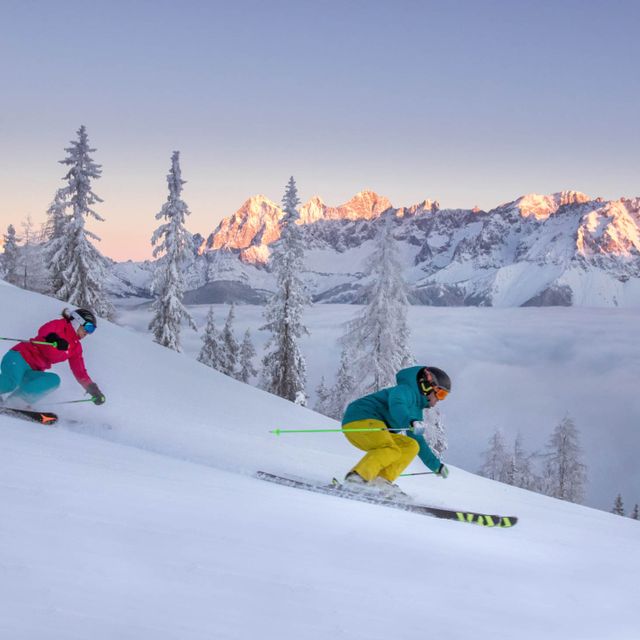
542 206
258 216
365 205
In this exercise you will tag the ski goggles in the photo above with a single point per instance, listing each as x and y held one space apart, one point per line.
78 321
89 327
427 388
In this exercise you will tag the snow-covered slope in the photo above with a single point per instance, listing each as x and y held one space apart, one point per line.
140 519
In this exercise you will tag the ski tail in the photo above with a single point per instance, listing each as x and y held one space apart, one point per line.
42 417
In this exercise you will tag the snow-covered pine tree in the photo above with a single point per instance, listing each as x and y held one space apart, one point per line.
246 368
229 347
55 229
435 432
565 474
323 398
173 241
496 459
521 471
76 266
210 351
28 258
618 506
57 216
10 256
635 514
283 366
344 389
379 334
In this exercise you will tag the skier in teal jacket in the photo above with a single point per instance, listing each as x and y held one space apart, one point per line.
395 411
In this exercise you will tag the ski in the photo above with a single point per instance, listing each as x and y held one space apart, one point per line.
338 489
43 417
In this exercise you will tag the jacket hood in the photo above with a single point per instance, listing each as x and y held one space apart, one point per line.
409 378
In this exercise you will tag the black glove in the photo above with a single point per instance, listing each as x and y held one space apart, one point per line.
97 396
59 343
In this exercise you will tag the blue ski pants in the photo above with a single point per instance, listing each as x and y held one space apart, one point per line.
17 376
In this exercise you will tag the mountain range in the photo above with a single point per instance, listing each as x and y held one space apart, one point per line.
561 249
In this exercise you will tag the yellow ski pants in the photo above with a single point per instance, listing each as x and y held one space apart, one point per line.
388 454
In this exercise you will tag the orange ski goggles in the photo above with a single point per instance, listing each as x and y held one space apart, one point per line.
427 388
441 393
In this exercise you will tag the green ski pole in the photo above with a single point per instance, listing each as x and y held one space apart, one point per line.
421 473
50 344
280 431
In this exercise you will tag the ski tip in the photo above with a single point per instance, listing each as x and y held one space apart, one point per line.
485 520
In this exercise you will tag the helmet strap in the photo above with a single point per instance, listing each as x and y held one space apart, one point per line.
76 321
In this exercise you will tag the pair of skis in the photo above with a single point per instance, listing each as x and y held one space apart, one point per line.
338 489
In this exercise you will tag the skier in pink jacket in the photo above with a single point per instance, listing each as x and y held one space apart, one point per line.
23 370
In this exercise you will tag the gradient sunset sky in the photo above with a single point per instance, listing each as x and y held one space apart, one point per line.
469 103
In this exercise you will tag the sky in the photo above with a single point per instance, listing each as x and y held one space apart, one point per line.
468 103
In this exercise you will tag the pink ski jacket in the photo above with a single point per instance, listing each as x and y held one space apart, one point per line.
40 357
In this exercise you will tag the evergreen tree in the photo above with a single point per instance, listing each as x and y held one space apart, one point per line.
246 369
27 254
635 513
380 334
344 389
435 432
76 266
618 506
496 459
57 216
55 230
283 366
230 349
10 256
521 472
323 398
210 351
171 239
565 473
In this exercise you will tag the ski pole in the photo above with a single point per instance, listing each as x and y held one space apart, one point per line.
421 473
74 401
279 431
50 344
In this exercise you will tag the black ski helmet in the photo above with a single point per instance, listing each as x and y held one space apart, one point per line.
87 315
429 377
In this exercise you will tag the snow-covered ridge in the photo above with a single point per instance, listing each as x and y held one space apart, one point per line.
559 249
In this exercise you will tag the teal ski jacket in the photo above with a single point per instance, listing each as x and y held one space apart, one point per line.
397 407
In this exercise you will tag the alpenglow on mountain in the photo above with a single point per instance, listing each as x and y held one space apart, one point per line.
560 249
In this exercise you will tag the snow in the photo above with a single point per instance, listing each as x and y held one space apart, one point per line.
448 256
516 283
141 519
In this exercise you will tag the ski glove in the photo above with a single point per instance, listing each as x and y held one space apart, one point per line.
56 341
443 471
418 427
97 396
